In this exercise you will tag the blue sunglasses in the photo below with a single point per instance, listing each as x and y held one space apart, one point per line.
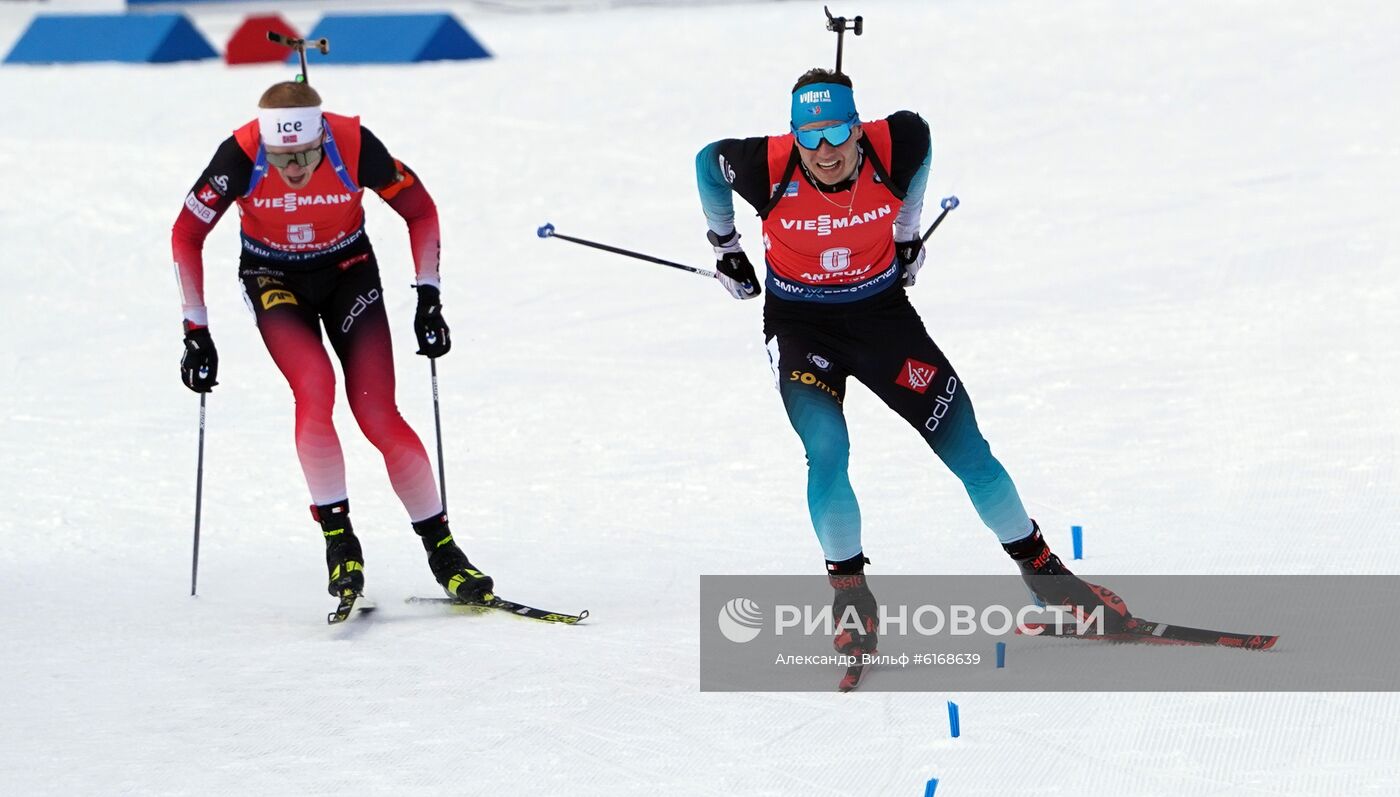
835 135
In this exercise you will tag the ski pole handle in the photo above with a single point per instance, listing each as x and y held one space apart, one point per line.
547 231
948 203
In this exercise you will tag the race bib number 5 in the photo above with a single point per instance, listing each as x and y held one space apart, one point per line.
301 233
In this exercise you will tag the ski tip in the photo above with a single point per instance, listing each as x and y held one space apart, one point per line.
545 230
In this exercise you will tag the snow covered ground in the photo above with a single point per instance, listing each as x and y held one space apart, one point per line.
1171 288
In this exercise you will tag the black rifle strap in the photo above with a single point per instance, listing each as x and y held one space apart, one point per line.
782 185
880 172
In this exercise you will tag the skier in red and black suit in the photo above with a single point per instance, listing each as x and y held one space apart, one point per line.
298 175
841 202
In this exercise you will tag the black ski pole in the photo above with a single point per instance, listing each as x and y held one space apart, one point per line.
547 231
198 498
437 421
948 203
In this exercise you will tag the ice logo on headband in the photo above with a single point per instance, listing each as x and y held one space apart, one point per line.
290 126
290 131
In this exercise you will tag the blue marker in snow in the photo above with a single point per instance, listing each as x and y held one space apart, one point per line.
931 787
1076 534
1001 655
953 719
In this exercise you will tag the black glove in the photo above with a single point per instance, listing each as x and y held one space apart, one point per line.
736 273
199 368
911 257
434 336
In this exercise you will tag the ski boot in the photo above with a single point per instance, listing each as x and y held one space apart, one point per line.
344 560
853 604
458 576
1054 585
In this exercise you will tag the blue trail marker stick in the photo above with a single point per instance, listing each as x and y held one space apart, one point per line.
931 787
1076 534
1001 655
953 725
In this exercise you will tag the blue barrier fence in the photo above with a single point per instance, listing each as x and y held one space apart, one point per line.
394 39
162 37
134 38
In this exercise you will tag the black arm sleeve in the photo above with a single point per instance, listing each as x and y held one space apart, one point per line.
747 159
909 145
377 169
227 174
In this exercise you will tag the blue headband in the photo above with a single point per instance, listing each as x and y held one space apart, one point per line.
823 102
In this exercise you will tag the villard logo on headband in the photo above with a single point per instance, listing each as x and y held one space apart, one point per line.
822 102
814 99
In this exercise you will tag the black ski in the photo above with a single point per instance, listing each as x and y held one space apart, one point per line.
1161 633
511 607
347 605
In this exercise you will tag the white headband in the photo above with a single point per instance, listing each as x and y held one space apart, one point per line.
289 127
